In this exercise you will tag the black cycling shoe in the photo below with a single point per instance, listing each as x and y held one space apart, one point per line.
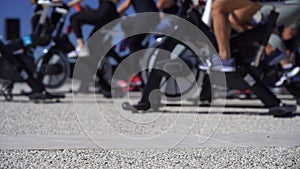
136 107
142 106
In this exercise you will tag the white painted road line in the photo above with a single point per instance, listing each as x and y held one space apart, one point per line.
163 141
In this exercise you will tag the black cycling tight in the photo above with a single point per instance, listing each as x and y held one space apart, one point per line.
99 17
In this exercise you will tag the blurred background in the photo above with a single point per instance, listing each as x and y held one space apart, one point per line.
22 10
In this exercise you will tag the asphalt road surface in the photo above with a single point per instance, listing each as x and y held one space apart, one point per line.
90 131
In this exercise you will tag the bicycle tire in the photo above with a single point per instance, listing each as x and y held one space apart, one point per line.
57 79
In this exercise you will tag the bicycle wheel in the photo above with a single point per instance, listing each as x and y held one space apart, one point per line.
53 69
175 87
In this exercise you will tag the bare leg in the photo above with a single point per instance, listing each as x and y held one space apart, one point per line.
80 42
221 9
240 18
287 34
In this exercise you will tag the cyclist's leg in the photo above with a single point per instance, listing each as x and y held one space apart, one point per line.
135 42
99 17
76 21
152 84
222 29
26 72
240 18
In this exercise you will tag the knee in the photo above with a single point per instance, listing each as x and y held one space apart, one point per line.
218 9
